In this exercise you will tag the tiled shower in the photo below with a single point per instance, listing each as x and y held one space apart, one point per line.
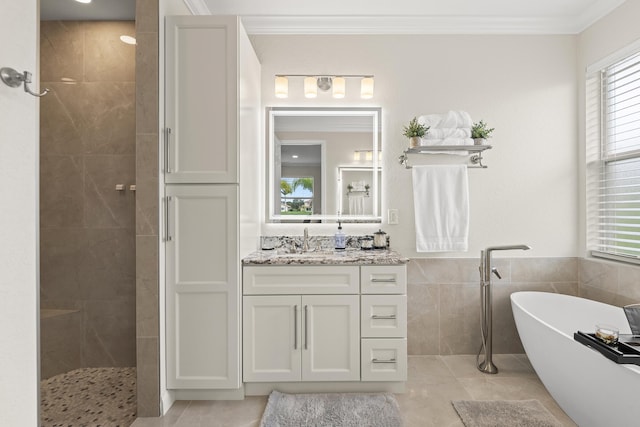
87 227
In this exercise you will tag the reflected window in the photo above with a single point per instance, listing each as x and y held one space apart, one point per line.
296 195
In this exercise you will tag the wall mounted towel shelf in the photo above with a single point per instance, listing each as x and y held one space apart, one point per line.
474 150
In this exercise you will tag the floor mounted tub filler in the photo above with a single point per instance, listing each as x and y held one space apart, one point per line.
591 389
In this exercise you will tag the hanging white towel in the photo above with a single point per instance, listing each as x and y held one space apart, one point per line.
441 202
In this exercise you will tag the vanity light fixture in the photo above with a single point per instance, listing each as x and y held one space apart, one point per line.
282 87
310 87
366 87
368 155
323 82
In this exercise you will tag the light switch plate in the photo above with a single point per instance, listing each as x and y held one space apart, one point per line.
392 216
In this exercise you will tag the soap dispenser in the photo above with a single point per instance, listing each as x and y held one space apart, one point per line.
340 238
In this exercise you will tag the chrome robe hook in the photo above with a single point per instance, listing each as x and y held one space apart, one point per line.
12 78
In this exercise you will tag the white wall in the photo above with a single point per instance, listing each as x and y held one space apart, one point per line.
612 33
524 86
19 28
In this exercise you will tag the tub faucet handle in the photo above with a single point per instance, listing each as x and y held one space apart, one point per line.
495 271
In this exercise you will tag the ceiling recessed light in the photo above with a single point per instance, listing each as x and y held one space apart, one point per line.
83 1
128 39
294 156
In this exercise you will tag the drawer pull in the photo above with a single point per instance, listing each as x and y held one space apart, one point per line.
383 280
378 317
383 361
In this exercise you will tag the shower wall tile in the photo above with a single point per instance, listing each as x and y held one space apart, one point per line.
147 220
87 128
103 114
109 333
107 265
105 207
59 132
146 16
60 338
544 269
148 371
147 79
60 252
107 58
61 191
61 51
147 310
147 184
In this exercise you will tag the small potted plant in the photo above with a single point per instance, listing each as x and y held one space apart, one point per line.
414 131
480 132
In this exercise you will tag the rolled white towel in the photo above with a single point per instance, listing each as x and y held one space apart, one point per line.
451 119
442 133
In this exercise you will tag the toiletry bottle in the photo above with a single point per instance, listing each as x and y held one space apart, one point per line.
340 238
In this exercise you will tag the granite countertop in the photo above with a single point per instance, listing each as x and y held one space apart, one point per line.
325 257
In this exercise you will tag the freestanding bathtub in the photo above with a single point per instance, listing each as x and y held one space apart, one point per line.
590 388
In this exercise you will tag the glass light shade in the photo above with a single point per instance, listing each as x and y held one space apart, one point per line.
310 87
369 156
356 156
339 87
366 88
282 87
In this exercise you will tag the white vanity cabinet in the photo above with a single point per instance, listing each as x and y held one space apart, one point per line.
383 320
212 117
203 348
206 62
310 334
323 323
301 338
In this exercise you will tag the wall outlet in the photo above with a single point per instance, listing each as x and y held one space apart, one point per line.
392 216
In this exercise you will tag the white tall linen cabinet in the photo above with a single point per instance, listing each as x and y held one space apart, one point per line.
212 115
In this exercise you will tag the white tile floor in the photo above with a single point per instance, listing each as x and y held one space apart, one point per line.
434 381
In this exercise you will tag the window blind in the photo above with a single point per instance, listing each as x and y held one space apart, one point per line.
617 200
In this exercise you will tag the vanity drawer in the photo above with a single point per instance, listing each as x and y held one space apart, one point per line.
383 359
383 279
301 280
383 316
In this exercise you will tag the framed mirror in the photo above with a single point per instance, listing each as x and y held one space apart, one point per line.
323 164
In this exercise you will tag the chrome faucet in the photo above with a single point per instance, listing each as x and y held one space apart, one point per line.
486 324
305 242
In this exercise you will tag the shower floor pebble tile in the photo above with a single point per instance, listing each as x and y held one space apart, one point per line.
89 397
433 382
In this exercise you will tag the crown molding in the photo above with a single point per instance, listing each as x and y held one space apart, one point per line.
197 7
416 24
404 25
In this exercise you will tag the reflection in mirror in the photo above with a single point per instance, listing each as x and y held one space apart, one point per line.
315 155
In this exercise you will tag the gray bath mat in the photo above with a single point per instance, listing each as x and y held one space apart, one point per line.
504 413
331 409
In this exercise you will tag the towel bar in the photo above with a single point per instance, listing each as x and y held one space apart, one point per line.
475 159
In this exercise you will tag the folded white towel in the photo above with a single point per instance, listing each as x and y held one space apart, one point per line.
451 119
441 203
442 133
446 141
